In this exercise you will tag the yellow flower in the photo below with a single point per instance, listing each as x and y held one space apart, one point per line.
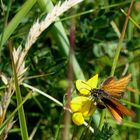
82 106
78 118
84 87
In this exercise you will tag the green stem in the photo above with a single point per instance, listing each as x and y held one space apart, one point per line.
117 55
21 115
130 103
43 93
121 41
131 19
91 10
102 119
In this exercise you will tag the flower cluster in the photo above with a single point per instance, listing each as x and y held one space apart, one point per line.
82 106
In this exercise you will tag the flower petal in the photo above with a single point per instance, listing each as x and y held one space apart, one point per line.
88 108
83 87
78 118
92 82
76 103
83 104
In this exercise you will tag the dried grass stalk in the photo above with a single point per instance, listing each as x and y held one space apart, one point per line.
39 27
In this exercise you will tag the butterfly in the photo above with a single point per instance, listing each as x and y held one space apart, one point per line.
108 95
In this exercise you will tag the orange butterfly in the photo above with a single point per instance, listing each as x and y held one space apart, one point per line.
109 94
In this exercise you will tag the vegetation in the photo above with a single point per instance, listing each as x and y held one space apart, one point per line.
45 46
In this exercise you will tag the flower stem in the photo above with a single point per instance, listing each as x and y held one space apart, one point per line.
43 93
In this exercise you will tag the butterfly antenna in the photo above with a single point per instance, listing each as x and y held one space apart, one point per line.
86 84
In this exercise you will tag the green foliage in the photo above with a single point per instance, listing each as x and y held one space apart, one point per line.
95 41
104 134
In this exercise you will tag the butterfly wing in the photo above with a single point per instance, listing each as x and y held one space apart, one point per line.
115 87
116 114
117 109
101 105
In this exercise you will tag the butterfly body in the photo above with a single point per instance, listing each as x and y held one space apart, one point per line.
98 96
98 93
